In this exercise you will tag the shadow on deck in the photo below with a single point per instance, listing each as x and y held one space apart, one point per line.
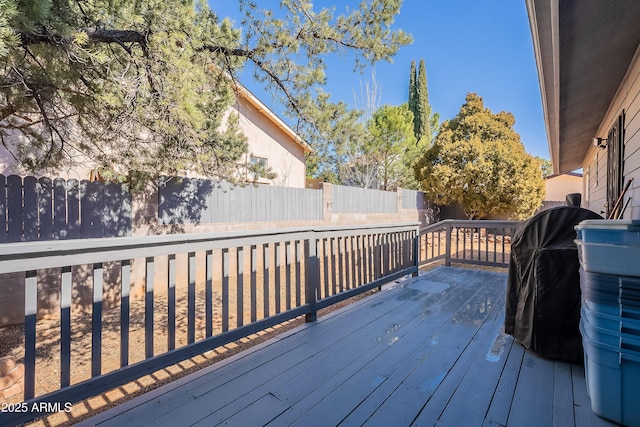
428 350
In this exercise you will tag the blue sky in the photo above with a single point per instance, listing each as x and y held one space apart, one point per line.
481 46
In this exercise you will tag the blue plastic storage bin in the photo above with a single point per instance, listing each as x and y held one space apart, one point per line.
618 232
606 258
607 321
611 294
613 380
623 340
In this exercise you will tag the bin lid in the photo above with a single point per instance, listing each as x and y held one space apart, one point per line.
632 225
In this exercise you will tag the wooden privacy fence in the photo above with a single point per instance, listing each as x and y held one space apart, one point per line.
363 200
46 209
480 242
191 200
238 284
56 209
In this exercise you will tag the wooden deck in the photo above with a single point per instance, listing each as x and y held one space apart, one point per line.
427 351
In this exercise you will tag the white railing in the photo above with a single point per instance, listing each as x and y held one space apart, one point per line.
234 285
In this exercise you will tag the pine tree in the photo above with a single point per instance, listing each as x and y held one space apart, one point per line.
144 88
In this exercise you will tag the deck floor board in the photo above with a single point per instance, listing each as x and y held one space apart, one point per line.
426 351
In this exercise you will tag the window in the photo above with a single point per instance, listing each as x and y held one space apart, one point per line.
615 155
258 167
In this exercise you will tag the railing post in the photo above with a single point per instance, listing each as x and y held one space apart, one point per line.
30 313
416 252
96 320
148 307
312 277
447 255
377 257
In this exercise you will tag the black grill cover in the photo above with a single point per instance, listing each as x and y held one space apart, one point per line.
543 288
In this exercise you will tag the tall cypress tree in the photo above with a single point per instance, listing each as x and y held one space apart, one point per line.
412 95
422 113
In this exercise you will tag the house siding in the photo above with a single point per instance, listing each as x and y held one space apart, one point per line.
557 187
596 187
627 100
284 156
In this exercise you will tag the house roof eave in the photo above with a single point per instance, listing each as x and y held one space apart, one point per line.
583 50
273 117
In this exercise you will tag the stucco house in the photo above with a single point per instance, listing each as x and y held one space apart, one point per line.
270 140
588 60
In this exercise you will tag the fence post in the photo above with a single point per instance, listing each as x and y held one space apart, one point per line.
312 277
327 202
447 255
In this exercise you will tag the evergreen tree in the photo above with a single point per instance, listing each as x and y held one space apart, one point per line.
413 96
422 113
425 124
144 88
477 160
393 147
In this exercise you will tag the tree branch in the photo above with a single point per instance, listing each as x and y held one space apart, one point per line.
249 54
96 35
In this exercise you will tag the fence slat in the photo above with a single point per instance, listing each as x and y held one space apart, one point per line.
60 231
277 278
123 220
287 272
65 327
45 208
148 307
3 209
208 293
30 209
96 321
30 313
298 281
14 208
347 259
325 262
253 284
73 209
354 260
226 271
341 254
191 299
265 279
240 286
99 209
125 271
171 302
85 209
334 271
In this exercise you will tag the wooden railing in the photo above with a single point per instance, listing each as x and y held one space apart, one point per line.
234 285
484 242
